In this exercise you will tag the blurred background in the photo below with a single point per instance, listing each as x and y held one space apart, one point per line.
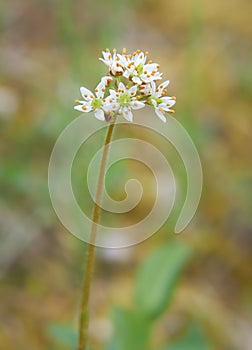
48 50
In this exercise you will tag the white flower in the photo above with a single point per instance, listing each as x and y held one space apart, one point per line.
124 100
113 61
160 102
139 71
92 102
130 84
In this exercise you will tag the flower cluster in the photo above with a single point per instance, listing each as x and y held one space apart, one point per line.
131 84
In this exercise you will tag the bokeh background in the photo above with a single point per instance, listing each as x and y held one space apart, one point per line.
49 49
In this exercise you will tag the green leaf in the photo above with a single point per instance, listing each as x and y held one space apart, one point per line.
194 339
131 331
157 278
64 335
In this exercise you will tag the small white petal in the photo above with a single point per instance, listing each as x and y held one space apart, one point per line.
122 60
80 108
99 114
164 84
167 105
104 61
87 94
153 87
100 89
137 104
154 102
167 99
127 114
132 91
111 106
112 94
137 80
140 59
107 55
121 87
126 74
158 76
160 115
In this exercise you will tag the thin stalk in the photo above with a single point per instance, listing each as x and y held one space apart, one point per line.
84 319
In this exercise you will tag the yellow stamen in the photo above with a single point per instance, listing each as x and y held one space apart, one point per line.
124 51
84 108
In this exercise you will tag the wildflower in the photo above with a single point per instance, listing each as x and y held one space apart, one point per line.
139 71
125 100
130 85
160 102
92 102
113 61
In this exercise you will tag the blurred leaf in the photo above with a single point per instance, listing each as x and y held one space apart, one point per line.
157 278
64 335
131 331
194 339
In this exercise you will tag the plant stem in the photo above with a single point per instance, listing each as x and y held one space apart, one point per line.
84 319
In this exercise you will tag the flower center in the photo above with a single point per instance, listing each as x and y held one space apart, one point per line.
124 100
158 100
139 69
96 103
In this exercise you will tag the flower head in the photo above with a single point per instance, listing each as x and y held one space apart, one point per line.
125 100
130 85
93 102
139 71
160 102
113 61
